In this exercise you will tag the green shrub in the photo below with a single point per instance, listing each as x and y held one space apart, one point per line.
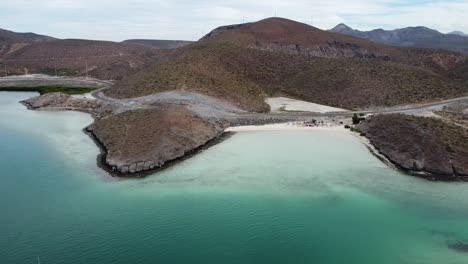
50 89
356 119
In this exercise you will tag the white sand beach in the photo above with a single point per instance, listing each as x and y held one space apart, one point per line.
287 126
281 104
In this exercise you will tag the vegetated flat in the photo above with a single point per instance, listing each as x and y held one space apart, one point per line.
245 63
51 89
421 144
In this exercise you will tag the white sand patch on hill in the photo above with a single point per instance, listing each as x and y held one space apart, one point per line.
281 104
287 127
88 96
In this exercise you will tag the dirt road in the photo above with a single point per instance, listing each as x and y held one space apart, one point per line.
208 106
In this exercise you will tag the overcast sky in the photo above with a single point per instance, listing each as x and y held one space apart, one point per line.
189 20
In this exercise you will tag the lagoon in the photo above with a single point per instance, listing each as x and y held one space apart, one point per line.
258 197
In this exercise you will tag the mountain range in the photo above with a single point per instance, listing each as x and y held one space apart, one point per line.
245 63
421 37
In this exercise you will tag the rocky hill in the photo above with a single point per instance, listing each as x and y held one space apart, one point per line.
421 37
170 133
458 33
160 44
425 146
102 59
245 63
30 53
7 35
11 41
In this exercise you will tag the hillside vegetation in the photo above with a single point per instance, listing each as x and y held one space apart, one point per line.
22 53
244 76
245 63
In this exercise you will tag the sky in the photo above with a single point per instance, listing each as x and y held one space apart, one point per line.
118 20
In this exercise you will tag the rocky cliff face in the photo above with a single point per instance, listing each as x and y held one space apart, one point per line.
333 49
424 146
146 139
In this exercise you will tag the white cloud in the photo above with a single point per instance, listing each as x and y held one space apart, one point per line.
185 19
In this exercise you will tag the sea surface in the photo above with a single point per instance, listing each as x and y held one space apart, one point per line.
258 197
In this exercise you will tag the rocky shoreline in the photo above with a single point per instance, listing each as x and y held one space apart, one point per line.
441 155
62 102
101 158
174 132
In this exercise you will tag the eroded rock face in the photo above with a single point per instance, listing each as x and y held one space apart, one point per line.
447 61
146 139
333 49
60 100
419 144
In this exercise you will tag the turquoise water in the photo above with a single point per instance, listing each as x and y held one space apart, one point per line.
259 197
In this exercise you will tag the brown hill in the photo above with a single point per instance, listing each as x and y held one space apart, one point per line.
103 59
10 36
159 43
244 63
11 41
278 34
30 53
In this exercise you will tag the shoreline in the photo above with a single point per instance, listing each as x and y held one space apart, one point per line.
102 164
290 126
296 126
231 131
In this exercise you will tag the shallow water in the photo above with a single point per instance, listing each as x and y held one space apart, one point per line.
258 197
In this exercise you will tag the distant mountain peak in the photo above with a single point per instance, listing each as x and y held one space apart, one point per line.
341 27
418 36
458 33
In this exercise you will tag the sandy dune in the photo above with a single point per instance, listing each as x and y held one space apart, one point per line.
281 104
